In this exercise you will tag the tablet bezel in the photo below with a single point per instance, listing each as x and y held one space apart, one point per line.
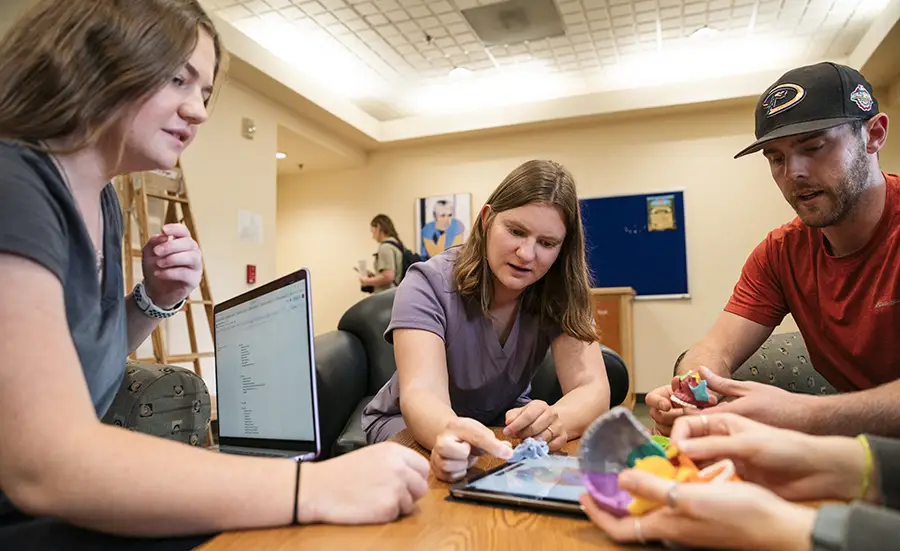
461 490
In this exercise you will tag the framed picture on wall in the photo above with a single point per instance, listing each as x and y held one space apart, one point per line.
442 221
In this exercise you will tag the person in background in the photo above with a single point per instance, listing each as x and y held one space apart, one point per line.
388 259
835 268
471 326
778 467
90 89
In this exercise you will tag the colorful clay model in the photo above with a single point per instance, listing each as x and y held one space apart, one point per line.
611 444
679 468
616 441
691 391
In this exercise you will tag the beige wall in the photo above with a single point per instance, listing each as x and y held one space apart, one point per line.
890 155
323 219
730 206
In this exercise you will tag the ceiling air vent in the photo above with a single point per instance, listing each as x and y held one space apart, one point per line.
515 21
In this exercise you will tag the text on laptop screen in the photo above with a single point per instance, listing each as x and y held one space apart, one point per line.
263 367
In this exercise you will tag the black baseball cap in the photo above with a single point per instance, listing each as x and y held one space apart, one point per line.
809 99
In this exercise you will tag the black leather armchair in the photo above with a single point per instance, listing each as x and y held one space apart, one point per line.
355 361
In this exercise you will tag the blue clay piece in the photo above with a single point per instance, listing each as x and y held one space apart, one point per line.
700 393
530 448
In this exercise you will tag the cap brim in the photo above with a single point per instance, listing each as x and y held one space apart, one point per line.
794 130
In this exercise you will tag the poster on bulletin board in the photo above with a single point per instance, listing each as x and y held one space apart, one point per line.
638 241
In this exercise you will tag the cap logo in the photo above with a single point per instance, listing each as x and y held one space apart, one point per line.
782 98
862 98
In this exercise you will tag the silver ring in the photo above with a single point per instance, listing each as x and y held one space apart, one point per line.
552 436
638 533
705 422
671 495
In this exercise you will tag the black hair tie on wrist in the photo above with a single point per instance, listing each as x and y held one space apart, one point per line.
296 521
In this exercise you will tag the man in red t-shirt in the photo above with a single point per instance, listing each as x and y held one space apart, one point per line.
835 268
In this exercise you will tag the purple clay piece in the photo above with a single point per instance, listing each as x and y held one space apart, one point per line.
604 488
603 454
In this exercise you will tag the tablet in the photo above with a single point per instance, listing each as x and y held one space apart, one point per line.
549 483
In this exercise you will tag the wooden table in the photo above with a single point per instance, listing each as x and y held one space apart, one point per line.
438 525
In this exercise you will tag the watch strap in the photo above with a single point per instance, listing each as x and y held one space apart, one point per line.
149 309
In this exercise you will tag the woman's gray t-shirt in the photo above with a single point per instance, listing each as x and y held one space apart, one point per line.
40 220
485 379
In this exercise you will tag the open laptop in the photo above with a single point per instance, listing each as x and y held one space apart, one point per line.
266 371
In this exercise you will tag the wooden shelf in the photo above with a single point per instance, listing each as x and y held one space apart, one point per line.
612 308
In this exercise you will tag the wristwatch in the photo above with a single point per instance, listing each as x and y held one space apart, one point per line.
149 309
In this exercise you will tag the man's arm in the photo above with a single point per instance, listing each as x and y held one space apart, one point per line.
728 344
873 411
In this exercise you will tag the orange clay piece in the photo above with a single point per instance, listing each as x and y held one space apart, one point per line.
680 468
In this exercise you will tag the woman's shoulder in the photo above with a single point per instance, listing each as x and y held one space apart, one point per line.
434 275
390 244
17 157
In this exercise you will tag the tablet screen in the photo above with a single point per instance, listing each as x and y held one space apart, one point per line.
554 477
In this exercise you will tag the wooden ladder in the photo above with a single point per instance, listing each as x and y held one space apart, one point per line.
135 192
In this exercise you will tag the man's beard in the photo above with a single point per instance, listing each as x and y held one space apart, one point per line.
844 196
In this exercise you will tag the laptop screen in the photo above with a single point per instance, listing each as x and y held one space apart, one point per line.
264 375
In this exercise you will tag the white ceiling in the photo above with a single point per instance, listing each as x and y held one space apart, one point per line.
376 55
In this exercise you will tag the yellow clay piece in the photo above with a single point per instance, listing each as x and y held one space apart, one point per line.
680 468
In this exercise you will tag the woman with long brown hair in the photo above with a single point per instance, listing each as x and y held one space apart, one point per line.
471 326
90 89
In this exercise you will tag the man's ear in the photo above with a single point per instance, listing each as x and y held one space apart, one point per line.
876 133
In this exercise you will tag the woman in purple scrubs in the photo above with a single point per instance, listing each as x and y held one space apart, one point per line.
471 326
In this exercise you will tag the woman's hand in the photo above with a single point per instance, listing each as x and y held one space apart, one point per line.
796 466
459 445
172 265
537 419
727 515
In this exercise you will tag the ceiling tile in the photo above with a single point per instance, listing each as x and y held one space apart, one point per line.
578 28
376 19
292 13
441 6
365 8
312 8
397 15
569 6
418 11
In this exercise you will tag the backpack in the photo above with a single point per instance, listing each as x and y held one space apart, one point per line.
409 258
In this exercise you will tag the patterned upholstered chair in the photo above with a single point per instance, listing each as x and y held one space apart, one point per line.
162 400
782 361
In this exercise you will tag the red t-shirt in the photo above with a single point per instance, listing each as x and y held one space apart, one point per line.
847 308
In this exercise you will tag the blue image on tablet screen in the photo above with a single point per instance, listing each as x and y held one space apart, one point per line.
553 477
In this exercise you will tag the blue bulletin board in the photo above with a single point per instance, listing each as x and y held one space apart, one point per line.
637 241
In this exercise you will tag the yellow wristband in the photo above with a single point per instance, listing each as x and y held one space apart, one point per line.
867 473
